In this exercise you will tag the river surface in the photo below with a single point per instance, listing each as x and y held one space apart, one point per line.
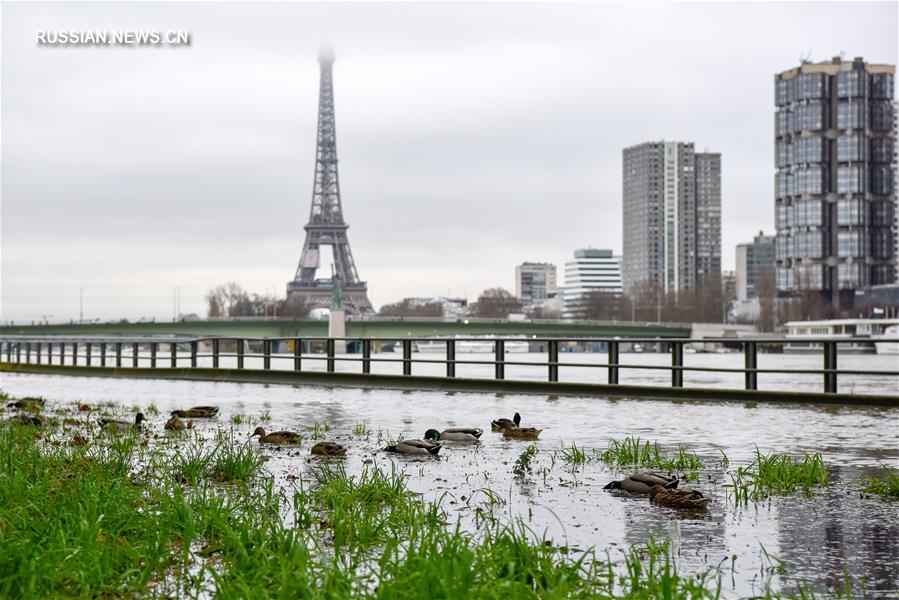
818 538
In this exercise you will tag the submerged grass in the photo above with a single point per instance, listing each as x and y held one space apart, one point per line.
777 474
631 451
885 484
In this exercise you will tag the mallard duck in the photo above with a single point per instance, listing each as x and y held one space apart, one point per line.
32 403
521 433
122 426
197 412
328 449
641 483
690 499
27 420
277 437
500 424
415 447
175 424
455 434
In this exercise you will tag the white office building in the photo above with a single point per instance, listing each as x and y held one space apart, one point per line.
591 271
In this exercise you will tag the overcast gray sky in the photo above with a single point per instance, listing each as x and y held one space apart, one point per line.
471 137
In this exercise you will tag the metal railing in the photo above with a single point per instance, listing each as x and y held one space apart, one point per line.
127 352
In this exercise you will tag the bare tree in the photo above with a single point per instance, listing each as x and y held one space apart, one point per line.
496 303
410 308
295 306
600 305
766 291
214 310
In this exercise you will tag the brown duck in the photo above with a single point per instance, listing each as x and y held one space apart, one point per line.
502 423
277 437
328 449
641 483
175 424
689 499
197 412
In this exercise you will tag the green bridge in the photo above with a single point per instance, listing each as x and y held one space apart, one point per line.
369 328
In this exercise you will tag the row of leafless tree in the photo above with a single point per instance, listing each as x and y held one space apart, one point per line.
231 300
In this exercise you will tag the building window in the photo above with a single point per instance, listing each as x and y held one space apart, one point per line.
850 148
783 121
881 274
850 83
881 179
810 117
881 115
882 242
810 180
809 150
848 276
849 179
882 150
882 86
809 244
849 211
810 85
881 214
810 277
849 244
784 92
808 213
851 115
785 279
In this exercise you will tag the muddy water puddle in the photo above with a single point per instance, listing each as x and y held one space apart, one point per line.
782 540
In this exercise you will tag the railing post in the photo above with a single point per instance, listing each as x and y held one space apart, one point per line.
102 354
174 354
552 348
193 354
366 356
407 357
239 343
215 353
450 358
677 363
750 363
830 367
18 352
500 359
74 354
88 346
297 354
153 346
135 353
27 352
329 345
118 354
613 363
266 354
62 353
38 352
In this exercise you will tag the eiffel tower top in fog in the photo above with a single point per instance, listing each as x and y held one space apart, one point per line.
326 226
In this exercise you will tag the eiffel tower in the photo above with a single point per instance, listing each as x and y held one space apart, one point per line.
326 226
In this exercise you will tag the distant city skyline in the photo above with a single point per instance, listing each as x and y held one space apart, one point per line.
472 138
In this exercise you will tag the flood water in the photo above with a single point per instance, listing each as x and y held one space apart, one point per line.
817 538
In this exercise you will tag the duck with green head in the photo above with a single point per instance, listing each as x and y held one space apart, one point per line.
501 423
122 426
415 448
454 434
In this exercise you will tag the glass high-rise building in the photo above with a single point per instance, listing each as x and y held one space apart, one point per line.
671 203
834 191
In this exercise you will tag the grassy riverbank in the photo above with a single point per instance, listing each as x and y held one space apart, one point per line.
85 514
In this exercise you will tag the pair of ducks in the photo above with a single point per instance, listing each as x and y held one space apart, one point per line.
173 424
511 428
289 438
662 491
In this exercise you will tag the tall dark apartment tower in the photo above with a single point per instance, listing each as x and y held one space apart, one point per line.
671 203
834 191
